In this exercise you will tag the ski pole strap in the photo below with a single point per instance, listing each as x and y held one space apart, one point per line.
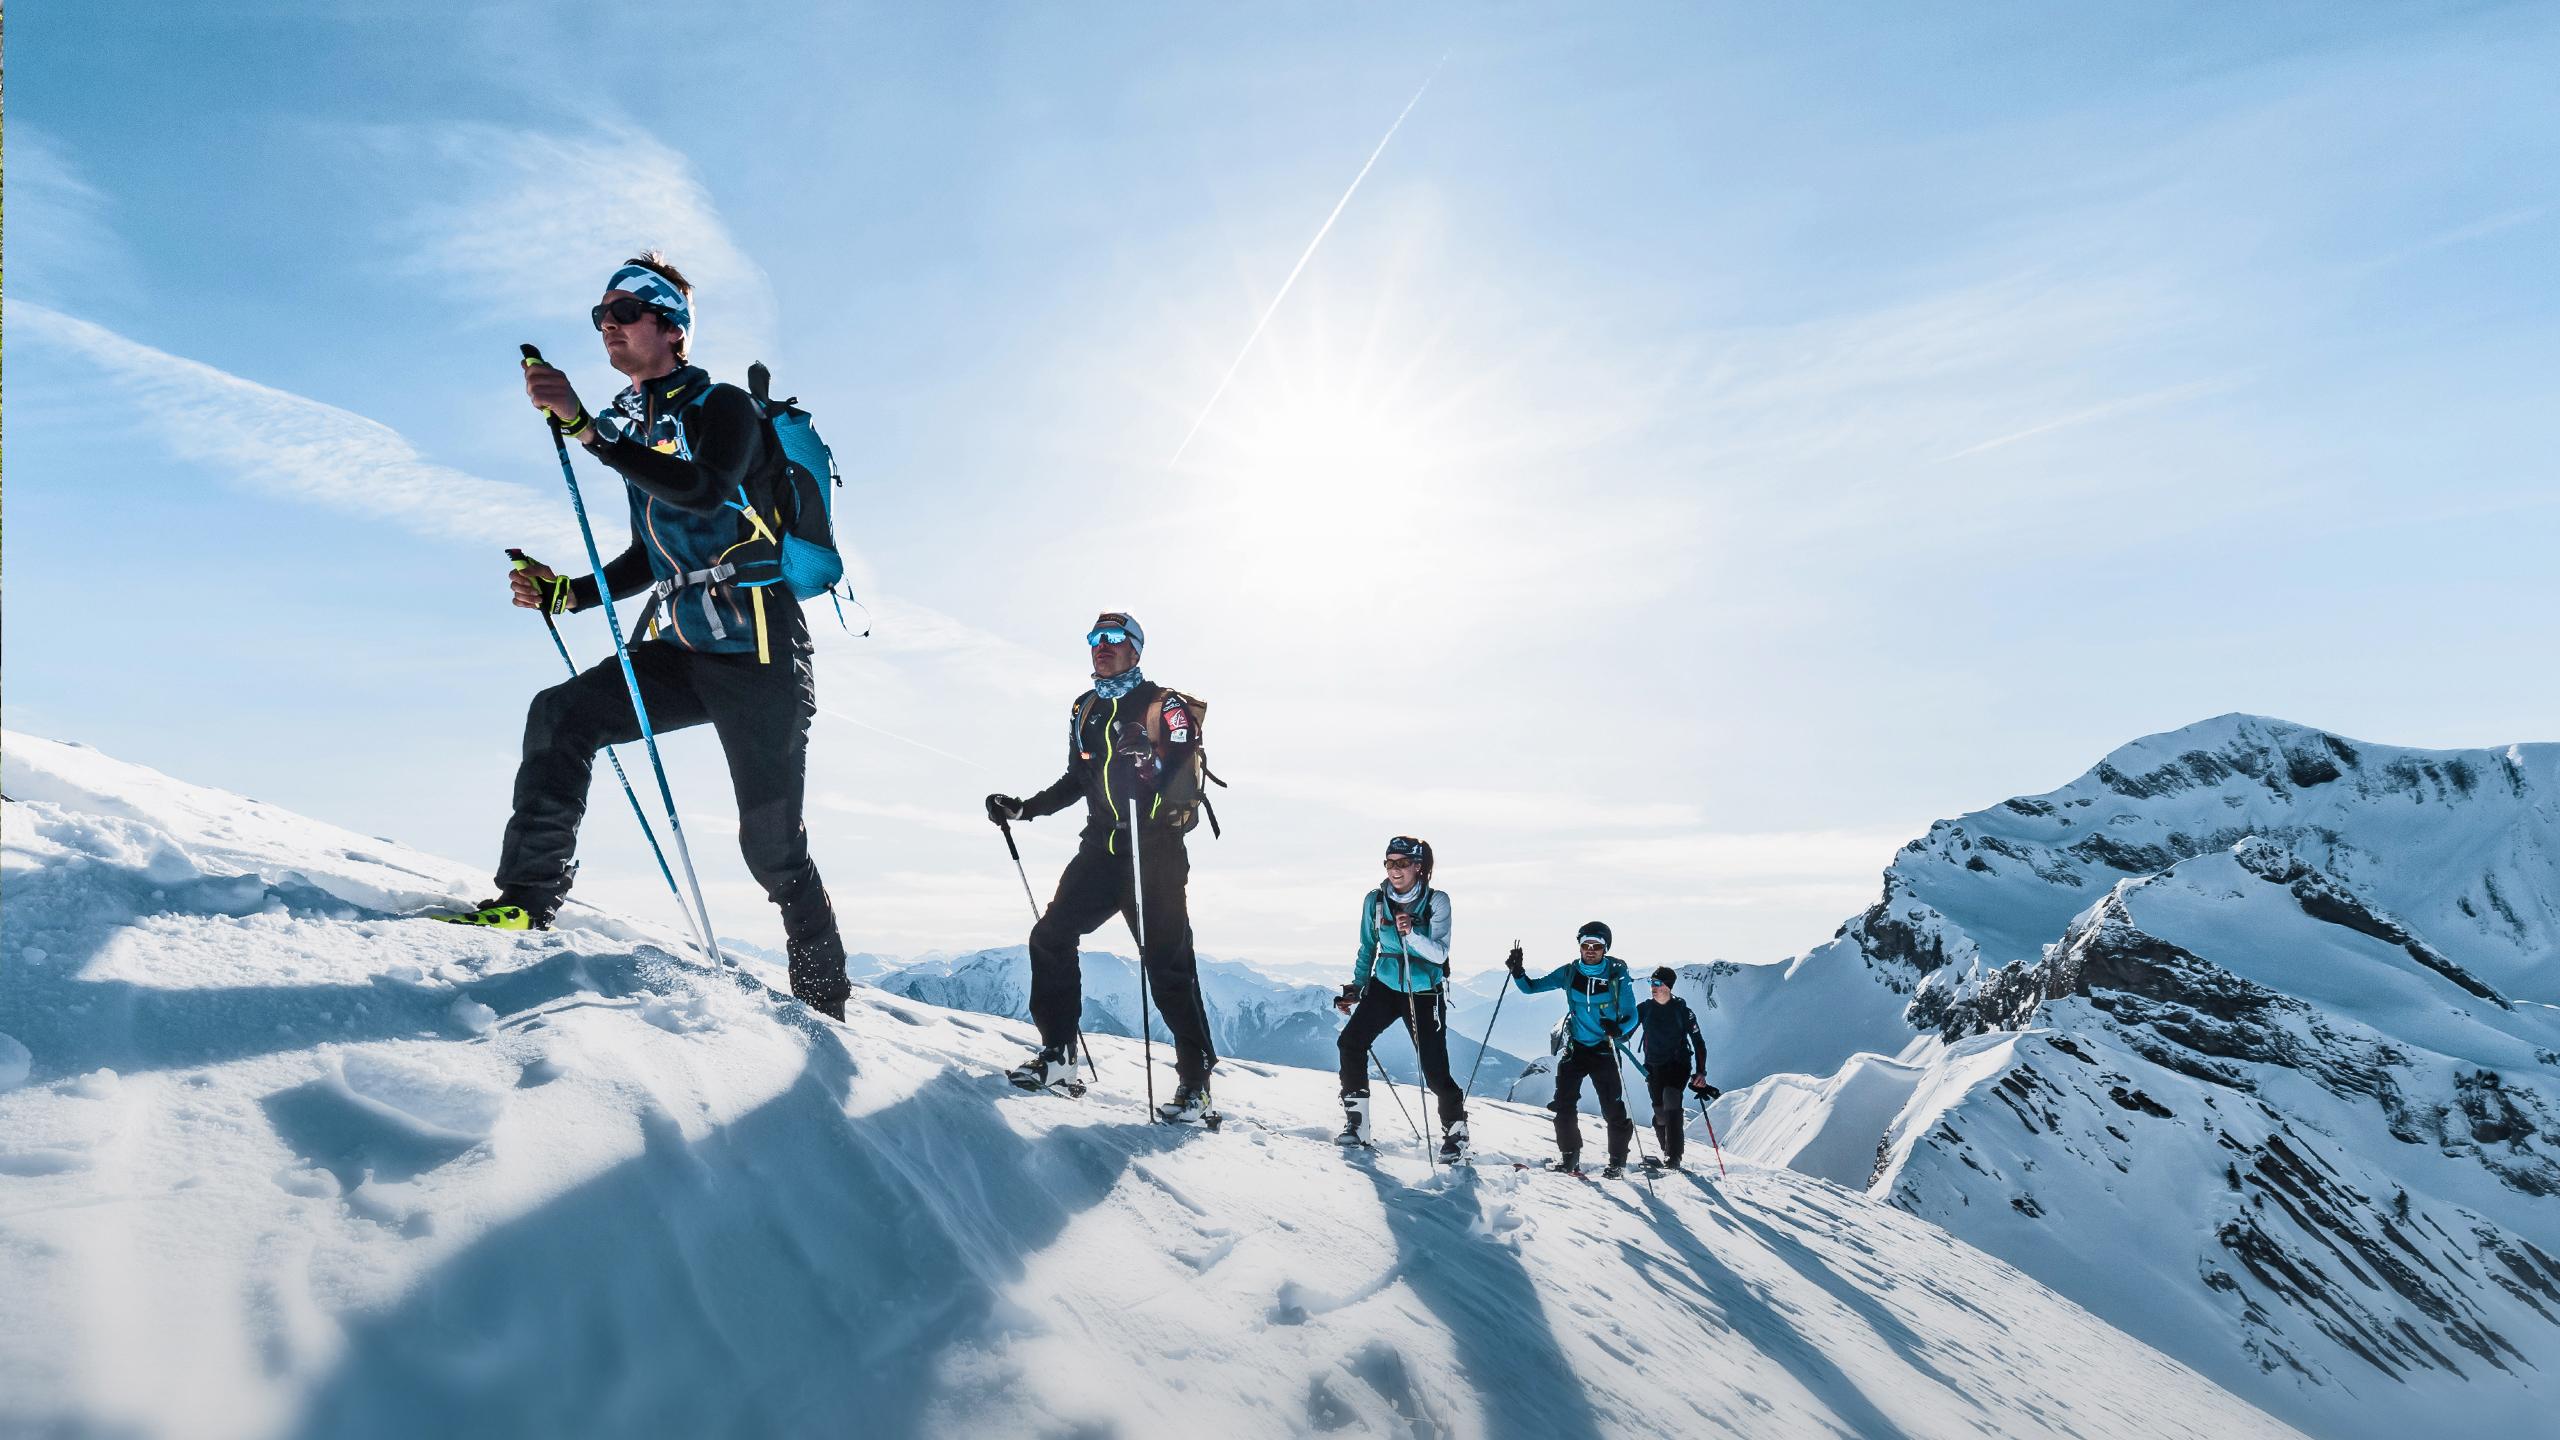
1621 1043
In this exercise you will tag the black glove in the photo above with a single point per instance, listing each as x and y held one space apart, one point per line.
1002 809
1514 963
1349 997
1706 1092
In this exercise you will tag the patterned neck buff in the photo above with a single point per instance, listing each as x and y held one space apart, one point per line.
1118 685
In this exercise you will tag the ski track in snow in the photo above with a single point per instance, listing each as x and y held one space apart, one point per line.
276 1161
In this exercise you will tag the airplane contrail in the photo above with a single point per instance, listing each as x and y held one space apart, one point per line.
1321 231
904 740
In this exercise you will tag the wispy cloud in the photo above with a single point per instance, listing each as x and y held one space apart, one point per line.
502 226
2109 410
291 446
62 243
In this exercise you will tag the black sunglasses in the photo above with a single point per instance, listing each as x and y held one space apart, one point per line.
624 311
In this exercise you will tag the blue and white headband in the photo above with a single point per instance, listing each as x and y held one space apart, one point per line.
655 291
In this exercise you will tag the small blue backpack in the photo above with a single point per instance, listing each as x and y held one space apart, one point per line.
811 565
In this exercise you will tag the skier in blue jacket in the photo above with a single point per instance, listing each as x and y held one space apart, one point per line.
1601 1003
1402 976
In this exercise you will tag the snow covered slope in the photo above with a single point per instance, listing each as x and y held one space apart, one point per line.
2270 1076
276 1161
1252 1015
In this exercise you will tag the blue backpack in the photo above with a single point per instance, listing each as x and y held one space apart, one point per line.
811 565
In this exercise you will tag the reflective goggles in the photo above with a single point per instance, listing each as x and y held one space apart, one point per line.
622 310
1108 635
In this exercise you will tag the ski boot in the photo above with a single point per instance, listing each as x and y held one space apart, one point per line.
1190 1105
1614 1170
1355 1123
1568 1163
1453 1142
509 911
1054 1068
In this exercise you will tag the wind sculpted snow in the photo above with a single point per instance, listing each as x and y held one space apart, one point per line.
285 1163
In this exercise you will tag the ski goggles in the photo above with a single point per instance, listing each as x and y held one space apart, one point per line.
1106 636
1591 940
623 310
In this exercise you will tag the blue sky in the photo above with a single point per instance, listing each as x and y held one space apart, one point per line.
1711 444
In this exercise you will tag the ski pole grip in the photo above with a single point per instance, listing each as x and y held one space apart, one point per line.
522 560
533 357
1010 848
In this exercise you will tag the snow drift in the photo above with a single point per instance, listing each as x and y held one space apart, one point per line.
275 1160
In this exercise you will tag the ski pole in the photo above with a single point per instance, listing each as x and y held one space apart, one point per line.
1016 852
1390 1082
1498 997
637 813
698 913
1620 1045
1413 1032
1716 1144
1146 1022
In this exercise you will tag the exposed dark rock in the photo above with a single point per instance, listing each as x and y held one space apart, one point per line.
2136 1100
2325 899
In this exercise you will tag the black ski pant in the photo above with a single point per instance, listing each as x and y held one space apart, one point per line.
1382 1006
761 711
1669 1119
1598 1063
1097 885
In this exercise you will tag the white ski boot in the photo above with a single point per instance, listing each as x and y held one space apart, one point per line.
1453 1142
1190 1105
1355 1123
1054 1068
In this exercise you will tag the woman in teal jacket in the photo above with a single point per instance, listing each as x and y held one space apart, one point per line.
1601 1002
1401 974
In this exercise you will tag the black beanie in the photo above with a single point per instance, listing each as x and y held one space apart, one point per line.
1666 976
1594 928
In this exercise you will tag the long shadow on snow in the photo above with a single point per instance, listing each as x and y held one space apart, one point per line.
1485 1299
792 1272
1892 1328
1756 1316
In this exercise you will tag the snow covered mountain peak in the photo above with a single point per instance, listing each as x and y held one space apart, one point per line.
277 1159
2464 844
2269 1015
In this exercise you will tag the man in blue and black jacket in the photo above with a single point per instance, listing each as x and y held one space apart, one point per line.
724 645
1675 1060
1602 1009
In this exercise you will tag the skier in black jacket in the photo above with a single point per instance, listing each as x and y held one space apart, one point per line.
1131 745
1675 1059
735 656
